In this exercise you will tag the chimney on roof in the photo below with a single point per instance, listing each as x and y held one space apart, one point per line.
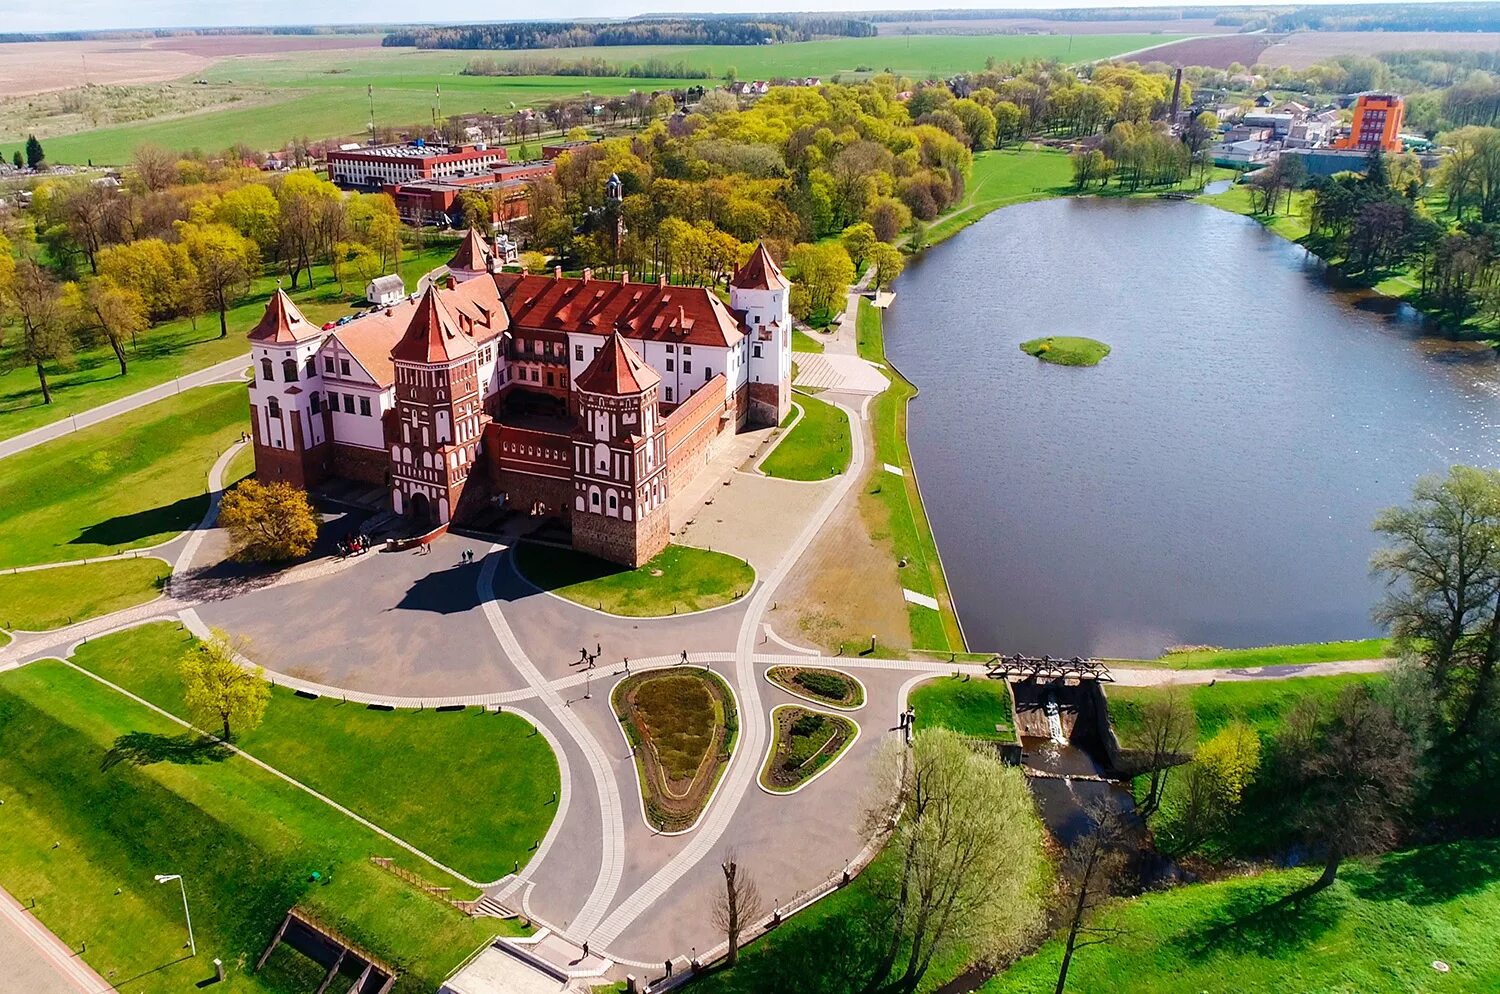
389 311
588 274
557 272
452 282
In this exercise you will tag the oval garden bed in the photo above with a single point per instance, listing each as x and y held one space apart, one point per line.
804 743
681 725
832 687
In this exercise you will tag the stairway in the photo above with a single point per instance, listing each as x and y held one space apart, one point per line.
492 908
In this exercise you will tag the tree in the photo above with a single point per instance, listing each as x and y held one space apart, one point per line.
1088 166
116 311
1168 729
1442 601
824 272
225 262
34 154
739 904
153 167
1352 767
45 331
1089 871
966 869
889 217
857 240
1214 785
268 522
217 688
16 159
475 211
888 262
252 210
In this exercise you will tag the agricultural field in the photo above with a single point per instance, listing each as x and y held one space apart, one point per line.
1306 48
323 94
1218 51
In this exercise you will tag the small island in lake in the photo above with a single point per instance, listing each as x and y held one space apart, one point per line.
1066 350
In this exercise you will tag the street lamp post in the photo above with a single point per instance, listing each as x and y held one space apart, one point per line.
166 878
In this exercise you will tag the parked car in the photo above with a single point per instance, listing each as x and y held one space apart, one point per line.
330 326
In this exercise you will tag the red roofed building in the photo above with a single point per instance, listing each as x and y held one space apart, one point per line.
584 399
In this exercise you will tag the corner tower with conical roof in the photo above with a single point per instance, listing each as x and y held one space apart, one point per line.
439 414
619 459
288 425
763 294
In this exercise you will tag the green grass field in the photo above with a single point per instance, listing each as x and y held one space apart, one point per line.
803 342
471 789
818 446
240 467
126 483
1377 931
1270 655
102 793
52 598
173 349
978 708
1004 177
679 580
892 506
323 95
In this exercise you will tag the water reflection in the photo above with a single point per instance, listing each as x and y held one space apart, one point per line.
1213 481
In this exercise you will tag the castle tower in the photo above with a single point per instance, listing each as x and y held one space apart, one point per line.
438 414
472 259
288 426
764 295
619 459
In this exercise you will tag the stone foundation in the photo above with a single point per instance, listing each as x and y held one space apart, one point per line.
297 466
770 403
631 543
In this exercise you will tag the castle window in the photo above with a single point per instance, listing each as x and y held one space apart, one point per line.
687 350
671 347
757 350
669 365
267 371
317 403
669 395
273 407
612 502
364 406
343 367
594 499
289 370
328 364
578 353
687 365
708 373
348 403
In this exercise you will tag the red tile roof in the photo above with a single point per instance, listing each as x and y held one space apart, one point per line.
639 311
432 335
282 323
472 254
475 306
617 370
760 272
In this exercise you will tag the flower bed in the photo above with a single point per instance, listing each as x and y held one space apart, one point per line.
826 686
681 725
804 742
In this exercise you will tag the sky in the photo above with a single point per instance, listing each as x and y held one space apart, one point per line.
88 15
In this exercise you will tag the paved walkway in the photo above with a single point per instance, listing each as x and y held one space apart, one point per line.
831 371
34 961
225 372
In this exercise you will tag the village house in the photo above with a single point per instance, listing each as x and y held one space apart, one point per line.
587 400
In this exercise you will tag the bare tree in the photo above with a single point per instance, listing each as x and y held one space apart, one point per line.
1090 870
1168 728
1353 766
740 903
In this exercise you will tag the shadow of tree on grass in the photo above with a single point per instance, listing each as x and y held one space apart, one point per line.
146 748
1266 920
126 529
1430 875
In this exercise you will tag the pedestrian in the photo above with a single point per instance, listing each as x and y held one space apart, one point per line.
583 655
597 650
684 655
585 948
627 665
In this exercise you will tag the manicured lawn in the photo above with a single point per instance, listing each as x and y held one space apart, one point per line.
1271 655
679 580
1377 931
126 483
817 447
240 467
1291 225
174 348
1067 350
52 598
977 707
803 342
471 789
1003 177
102 793
322 94
892 505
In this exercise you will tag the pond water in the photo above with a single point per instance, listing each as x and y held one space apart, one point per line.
1213 480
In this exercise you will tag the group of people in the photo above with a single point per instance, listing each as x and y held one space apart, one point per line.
353 545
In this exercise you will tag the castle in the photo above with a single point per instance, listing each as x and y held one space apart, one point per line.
585 399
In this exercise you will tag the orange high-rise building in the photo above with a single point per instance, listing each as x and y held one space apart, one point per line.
1377 124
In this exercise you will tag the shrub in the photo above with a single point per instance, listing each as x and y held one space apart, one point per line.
828 685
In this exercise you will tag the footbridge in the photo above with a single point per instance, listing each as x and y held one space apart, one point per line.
1048 668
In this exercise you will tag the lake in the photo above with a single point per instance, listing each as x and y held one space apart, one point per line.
1213 480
